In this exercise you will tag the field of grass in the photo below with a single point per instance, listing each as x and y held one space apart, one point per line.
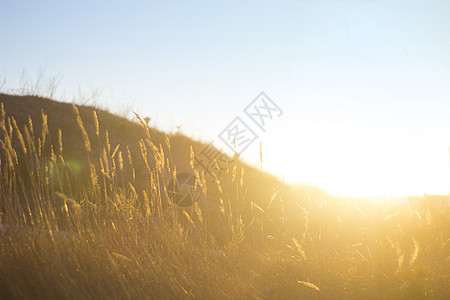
99 224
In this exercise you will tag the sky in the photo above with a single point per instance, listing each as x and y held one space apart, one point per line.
363 85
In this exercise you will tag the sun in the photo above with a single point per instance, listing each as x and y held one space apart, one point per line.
357 165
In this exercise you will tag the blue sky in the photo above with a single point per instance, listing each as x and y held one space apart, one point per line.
364 84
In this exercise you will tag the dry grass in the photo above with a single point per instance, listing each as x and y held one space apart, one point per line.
95 227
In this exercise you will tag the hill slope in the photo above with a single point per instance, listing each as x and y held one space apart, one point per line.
121 131
120 135
82 218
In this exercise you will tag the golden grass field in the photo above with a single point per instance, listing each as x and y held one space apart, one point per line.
85 214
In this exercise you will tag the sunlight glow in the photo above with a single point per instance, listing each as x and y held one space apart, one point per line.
351 164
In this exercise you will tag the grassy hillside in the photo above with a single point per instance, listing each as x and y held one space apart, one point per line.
86 212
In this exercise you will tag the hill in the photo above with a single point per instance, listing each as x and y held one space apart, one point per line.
89 208
56 129
121 131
